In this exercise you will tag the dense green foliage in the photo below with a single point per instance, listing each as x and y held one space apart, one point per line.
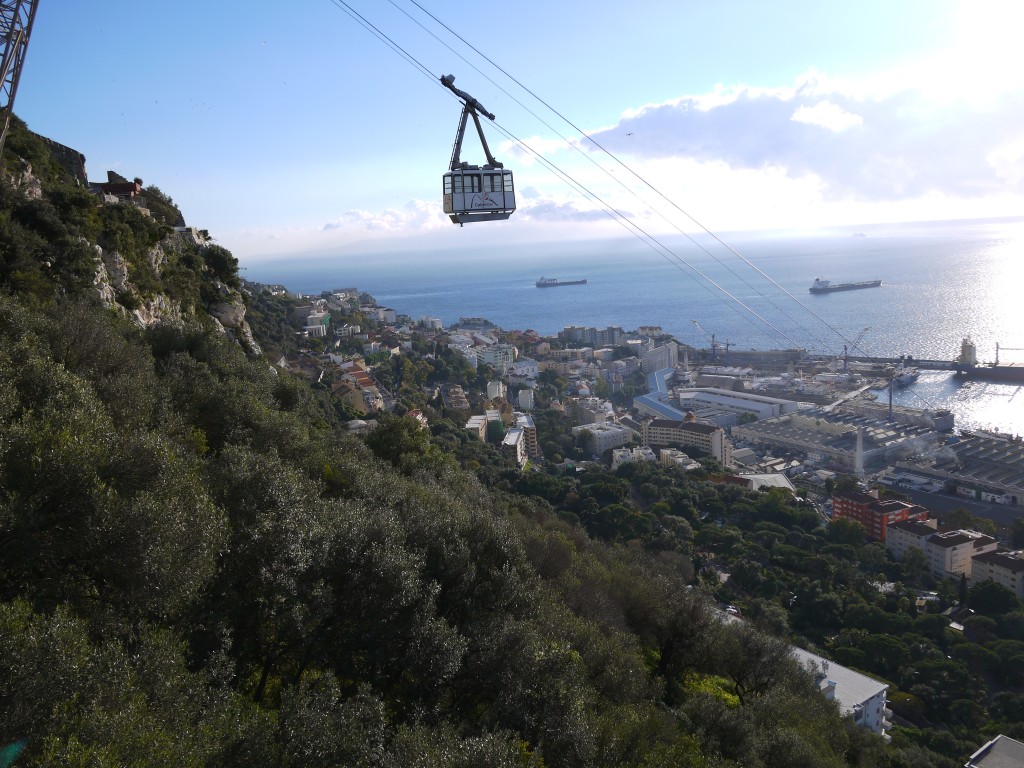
200 566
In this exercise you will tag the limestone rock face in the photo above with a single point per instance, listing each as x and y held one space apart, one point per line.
113 285
27 182
112 282
229 312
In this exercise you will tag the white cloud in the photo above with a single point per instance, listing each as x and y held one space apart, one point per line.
905 144
827 115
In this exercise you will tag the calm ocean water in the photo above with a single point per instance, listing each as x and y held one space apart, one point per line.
940 282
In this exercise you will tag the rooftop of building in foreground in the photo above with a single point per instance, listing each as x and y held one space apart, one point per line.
1001 752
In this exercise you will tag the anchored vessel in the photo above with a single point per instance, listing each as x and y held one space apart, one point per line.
827 286
904 376
551 282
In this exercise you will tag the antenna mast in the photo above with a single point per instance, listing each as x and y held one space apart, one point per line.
16 17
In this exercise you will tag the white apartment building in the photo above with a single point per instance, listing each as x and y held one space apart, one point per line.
908 534
671 457
515 445
604 436
664 433
949 554
525 398
525 422
858 695
659 358
498 356
496 390
611 336
1006 568
622 456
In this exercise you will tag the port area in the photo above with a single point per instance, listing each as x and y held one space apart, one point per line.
819 418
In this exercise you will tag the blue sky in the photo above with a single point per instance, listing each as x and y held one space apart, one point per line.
289 129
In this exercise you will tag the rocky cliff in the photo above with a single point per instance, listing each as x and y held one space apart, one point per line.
135 263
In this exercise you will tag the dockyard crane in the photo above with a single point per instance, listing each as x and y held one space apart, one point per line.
16 26
854 344
714 344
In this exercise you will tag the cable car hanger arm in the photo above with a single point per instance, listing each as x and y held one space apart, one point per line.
470 106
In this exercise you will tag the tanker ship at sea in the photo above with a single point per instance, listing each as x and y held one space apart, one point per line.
551 282
827 286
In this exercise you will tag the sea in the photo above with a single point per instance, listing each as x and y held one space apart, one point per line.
941 282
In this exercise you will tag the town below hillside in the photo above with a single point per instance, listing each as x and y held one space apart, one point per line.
239 525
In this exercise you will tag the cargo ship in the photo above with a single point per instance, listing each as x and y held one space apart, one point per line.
551 282
827 286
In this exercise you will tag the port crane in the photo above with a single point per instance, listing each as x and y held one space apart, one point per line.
714 344
474 192
853 344
16 20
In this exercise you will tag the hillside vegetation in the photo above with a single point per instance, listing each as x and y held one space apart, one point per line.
199 566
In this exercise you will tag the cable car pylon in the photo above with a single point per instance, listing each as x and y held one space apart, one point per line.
473 192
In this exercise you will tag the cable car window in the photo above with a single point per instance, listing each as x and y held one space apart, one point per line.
447 185
508 181
472 182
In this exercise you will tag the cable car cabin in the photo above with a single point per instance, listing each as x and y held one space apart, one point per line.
478 194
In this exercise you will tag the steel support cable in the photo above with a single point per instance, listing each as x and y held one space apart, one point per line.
574 145
640 179
646 237
639 232
373 30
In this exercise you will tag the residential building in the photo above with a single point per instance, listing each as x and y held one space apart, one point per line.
525 422
603 436
1000 752
622 456
525 398
592 410
477 425
665 356
612 336
499 356
951 553
909 534
1006 568
581 353
496 390
873 513
514 445
672 457
859 696
316 323
711 439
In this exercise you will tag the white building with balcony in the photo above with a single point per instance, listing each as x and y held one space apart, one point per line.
860 696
